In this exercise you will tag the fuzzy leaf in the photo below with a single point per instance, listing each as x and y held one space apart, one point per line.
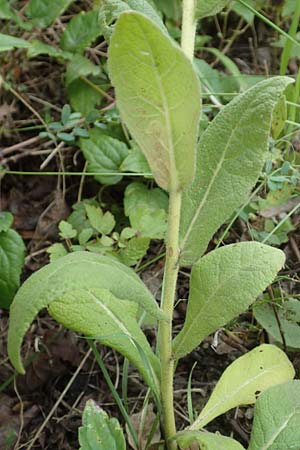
231 153
244 379
209 7
80 32
99 314
79 270
207 441
223 284
104 154
43 12
98 431
12 252
158 95
277 419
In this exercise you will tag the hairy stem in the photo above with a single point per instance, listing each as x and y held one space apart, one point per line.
172 263
165 331
189 24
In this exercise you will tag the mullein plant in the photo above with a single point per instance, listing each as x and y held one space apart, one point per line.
159 98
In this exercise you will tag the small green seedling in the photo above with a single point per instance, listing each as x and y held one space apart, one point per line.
158 96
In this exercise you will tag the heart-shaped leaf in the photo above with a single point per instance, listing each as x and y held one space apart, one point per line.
223 284
245 379
158 95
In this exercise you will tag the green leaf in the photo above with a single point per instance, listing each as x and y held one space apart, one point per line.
98 314
277 419
79 270
98 431
85 235
65 114
209 7
80 66
158 95
66 231
289 317
223 284
6 220
83 97
147 210
111 10
279 117
12 252
56 251
135 250
103 223
207 441
8 42
231 154
43 12
37 47
171 8
135 161
245 379
80 32
104 154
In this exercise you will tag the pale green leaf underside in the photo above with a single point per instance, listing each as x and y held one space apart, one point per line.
79 270
99 314
244 379
98 431
223 284
158 95
209 7
277 419
207 441
231 154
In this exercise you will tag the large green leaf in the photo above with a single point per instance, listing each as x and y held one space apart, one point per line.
209 7
207 441
158 95
231 154
12 252
79 270
104 154
99 314
223 284
244 379
43 12
277 419
98 431
80 32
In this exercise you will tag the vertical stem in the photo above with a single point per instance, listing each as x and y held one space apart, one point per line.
172 262
189 24
165 330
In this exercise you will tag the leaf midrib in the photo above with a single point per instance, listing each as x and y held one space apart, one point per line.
198 423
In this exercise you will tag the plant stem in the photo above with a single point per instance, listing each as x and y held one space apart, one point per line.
165 330
172 263
189 24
